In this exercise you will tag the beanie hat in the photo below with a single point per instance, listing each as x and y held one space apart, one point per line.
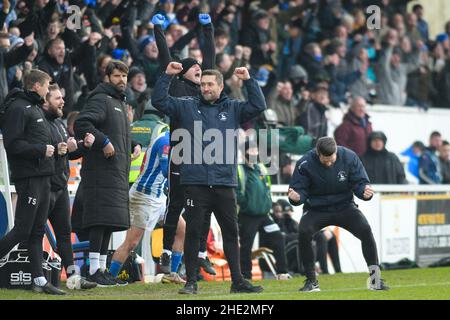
262 76
378 135
442 37
134 71
187 64
119 54
144 41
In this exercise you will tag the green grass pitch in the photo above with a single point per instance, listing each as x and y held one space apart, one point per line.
413 284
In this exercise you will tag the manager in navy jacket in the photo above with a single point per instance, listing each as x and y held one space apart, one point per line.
209 180
324 181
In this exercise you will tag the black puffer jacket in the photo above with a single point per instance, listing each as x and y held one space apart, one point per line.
59 133
105 181
26 135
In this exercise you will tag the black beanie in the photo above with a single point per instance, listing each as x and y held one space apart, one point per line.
187 64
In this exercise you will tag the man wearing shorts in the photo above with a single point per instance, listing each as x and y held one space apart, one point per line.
147 199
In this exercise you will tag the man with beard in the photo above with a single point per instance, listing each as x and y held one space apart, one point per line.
325 180
209 187
187 83
106 168
59 213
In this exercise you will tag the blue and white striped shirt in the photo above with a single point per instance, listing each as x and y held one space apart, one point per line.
153 175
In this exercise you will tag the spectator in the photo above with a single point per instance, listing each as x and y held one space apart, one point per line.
382 166
255 201
144 50
221 41
340 76
282 215
354 131
291 50
59 64
313 118
444 158
312 61
282 102
139 93
412 30
11 58
359 61
392 70
298 76
429 166
414 152
326 244
257 37
422 25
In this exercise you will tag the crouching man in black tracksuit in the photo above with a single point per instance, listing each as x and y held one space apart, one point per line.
209 187
29 147
325 180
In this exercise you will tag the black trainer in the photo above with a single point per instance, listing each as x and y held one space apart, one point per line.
206 265
100 279
189 288
310 286
48 289
245 287
381 286
77 282
164 263
119 282
86 285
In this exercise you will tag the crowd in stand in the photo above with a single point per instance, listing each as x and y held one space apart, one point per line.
308 56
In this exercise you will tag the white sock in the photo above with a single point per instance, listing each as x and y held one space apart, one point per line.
72 270
102 262
168 252
40 281
94 262
202 255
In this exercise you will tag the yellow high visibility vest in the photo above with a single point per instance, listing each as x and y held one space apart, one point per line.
135 168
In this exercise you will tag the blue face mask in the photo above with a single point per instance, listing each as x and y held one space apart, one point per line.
318 58
371 52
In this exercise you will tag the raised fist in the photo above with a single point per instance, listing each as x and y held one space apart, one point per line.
49 151
242 73
158 19
174 68
204 18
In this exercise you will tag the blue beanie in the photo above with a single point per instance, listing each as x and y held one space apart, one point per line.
442 37
144 41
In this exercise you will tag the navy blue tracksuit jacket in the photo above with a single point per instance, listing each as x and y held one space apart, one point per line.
191 113
329 189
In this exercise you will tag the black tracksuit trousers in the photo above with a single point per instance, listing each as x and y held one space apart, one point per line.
350 218
200 201
175 205
59 217
33 200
